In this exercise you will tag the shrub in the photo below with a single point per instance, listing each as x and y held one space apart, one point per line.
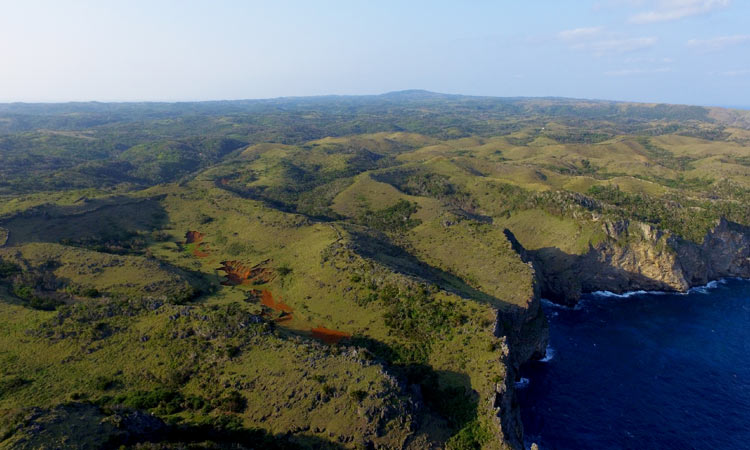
328 391
233 401
359 395
195 402
103 383
8 269
90 292
232 351
284 270
160 236
183 294
24 292
10 384
471 437
28 294
168 400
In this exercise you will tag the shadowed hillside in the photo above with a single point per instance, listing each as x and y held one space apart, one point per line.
333 272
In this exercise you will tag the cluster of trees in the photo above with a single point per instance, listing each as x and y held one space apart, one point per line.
394 219
430 184
690 219
38 289
414 315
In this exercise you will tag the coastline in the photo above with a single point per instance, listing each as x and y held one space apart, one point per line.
697 288
516 382
642 332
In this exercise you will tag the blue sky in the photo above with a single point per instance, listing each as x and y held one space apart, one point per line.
677 51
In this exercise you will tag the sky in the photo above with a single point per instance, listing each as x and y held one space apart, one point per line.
675 51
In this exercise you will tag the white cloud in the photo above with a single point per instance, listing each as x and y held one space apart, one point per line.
630 72
668 10
718 43
609 4
579 33
594 39
617 46
735 73
647 60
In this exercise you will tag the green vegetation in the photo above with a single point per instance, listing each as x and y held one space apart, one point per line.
686 217
415 315
396 218
319 273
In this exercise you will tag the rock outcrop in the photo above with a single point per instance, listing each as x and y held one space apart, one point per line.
725 252
527 338
527 333
637 256
83 425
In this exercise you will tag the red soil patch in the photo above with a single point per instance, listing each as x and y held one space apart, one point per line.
198 253
329 336
267 300
279 312
283 312
194 237
238 273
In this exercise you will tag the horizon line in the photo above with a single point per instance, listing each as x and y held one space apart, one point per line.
403 91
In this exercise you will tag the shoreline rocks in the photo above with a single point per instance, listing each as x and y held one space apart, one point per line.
636 256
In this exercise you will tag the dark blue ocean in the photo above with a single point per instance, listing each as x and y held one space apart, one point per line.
644 371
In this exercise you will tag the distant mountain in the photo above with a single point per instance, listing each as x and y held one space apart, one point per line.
16 117
418 94
337 271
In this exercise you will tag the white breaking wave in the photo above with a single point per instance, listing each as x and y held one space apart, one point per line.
706 288
609 294
700 289
522 383
550 354
627 294
552 304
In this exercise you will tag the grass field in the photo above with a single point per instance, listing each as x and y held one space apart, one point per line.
342 275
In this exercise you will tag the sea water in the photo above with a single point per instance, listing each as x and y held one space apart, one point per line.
644 371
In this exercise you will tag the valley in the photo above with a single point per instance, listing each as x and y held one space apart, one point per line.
334 272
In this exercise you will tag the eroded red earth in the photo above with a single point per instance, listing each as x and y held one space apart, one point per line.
238 273
329 336
277 305
196 237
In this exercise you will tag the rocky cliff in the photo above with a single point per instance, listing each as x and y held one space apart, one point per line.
635 256
526 331
725 252
638 256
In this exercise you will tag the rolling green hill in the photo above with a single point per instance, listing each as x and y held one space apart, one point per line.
333 272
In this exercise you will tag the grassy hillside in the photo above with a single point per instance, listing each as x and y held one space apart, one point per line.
332 272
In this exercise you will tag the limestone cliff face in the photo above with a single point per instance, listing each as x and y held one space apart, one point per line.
637 256
725 252
526 331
